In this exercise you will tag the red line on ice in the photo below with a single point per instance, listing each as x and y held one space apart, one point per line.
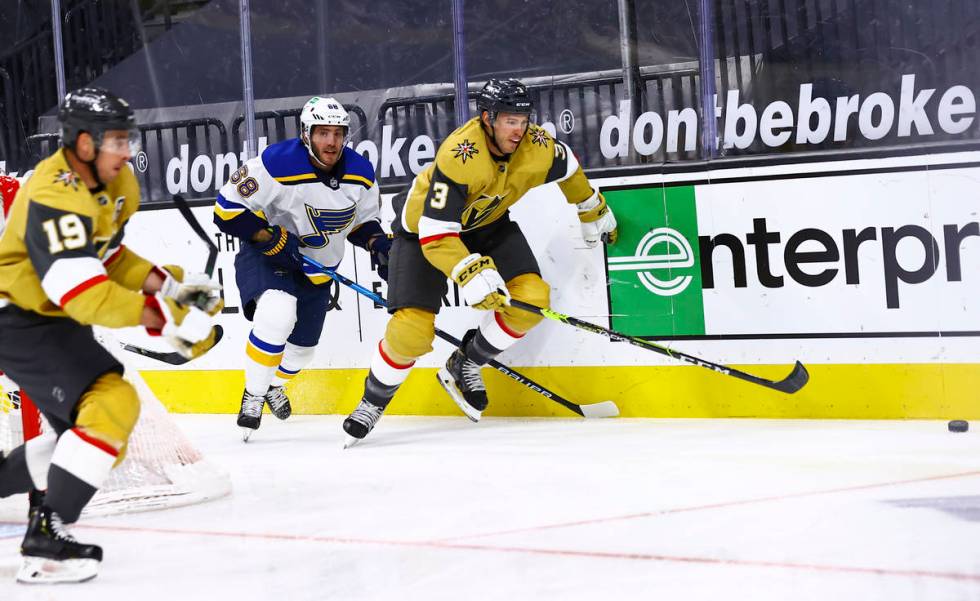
722 505
449 546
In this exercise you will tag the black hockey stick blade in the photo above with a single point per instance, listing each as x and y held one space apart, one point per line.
173 357
794 381
188 215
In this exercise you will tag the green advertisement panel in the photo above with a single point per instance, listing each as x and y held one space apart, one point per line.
654 270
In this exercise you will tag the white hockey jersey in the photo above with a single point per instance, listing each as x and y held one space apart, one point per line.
282 187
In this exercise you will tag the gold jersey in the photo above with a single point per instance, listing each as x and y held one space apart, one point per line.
61 252
467 188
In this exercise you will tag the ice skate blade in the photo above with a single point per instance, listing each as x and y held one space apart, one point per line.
351 441
41 570
449 384
246 433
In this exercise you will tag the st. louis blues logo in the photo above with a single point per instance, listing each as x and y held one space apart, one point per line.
539 136
326 222
465 150
68 178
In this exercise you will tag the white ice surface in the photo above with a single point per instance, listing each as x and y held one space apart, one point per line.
442 509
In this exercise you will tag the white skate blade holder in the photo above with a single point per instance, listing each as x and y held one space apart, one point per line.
41 570
449 384
351 441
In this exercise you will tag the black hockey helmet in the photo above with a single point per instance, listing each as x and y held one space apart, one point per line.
93 110
507 95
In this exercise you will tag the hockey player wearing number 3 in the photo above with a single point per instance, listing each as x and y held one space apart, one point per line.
301 196
454 222
63 267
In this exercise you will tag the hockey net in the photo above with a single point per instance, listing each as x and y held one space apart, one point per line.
162 468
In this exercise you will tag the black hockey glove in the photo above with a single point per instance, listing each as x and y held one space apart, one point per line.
380 247
282 248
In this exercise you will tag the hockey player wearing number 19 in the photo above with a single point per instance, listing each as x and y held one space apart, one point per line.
454 222
303 196
63 267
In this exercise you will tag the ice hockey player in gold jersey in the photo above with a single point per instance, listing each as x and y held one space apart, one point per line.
63 268
454 222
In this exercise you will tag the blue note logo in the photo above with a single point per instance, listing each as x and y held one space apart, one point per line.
326 222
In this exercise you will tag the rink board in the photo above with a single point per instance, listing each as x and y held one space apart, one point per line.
864 270
834 392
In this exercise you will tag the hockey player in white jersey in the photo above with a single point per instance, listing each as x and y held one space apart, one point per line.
303 196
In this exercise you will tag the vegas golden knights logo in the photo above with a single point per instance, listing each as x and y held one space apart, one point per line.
465 150
481 209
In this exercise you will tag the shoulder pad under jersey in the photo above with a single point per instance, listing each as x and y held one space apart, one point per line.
288 162
464 156
357 169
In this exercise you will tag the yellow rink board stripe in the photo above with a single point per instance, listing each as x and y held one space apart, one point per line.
917 391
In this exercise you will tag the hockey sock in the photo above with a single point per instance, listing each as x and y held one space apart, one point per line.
294 359
275 316
260 363
14 477
493 338
385 377
27 466
79 466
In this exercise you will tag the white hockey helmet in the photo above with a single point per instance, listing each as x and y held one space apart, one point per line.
322 111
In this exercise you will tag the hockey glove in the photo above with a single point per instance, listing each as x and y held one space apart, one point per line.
282 248
481 285
598 221
187 328
380 249
191 289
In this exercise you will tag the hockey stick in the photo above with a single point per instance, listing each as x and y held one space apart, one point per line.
790 384
174 358
185 212
601 409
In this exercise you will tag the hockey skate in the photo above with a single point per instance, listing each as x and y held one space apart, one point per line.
462 380
361 421
35 499
250 415
278 402
51 553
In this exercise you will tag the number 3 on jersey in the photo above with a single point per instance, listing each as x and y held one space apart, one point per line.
440 192
68 232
